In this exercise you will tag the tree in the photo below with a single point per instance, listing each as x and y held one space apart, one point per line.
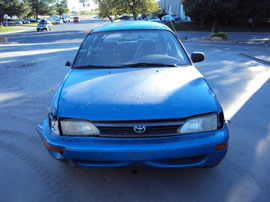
13 7
25 8
257 10
85 3
42 7
226 10
141 6
108 8
61 7
211 10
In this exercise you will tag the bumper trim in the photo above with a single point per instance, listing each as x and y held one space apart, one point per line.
166 152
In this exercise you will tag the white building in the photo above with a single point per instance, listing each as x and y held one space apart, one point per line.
173 7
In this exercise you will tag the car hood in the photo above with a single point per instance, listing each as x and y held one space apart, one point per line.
135 94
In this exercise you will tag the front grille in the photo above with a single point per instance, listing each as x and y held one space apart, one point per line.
126 129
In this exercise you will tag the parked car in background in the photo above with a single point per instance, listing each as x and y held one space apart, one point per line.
168 18
134 96
18 21
39 19
153 18
10 22
65 19
13 21
68 18
76 19
44 25
176 18
26 21
124 17
59 21
32 20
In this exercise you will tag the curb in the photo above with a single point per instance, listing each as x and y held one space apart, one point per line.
256 59
254 41
8 43
249 42
257 33
207 41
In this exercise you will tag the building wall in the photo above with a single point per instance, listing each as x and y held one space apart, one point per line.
173 7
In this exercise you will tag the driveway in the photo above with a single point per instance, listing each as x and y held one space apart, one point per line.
31 71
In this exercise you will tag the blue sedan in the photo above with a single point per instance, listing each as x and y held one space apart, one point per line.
134 97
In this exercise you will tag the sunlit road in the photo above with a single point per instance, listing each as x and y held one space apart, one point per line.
32 69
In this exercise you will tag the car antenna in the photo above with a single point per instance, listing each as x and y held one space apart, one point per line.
174 30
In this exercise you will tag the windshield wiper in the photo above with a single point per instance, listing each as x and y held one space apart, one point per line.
145 64
95 67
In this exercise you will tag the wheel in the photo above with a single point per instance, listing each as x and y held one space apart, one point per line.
46 29
38 30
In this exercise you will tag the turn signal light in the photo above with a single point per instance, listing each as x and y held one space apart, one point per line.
222 146
56 149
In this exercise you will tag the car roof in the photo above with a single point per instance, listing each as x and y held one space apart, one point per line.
131 25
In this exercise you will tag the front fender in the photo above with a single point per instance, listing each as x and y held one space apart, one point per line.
53 105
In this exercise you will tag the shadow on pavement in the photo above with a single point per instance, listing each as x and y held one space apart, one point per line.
48 37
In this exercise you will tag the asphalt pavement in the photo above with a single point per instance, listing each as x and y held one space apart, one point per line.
32 68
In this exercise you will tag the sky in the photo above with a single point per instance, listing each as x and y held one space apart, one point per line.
75 5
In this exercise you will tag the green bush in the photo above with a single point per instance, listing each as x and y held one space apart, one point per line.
219 34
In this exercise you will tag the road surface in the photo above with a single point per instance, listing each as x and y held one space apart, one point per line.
31 71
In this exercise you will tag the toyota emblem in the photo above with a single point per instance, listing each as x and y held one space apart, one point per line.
139 129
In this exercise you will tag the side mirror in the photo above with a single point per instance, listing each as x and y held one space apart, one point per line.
68 64
197 57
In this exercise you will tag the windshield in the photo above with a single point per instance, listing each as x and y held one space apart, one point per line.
43 22
128 48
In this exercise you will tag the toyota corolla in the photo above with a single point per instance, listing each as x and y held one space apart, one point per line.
134 97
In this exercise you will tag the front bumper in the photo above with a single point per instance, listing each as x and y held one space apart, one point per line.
175 151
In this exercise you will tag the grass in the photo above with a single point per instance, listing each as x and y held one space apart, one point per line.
10 29
29 25
192 26
24 25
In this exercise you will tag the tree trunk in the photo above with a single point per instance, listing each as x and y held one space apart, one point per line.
133 9
201 22
214 26
110 18
1 20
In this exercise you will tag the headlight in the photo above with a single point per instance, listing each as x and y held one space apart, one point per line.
78 128
200 124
